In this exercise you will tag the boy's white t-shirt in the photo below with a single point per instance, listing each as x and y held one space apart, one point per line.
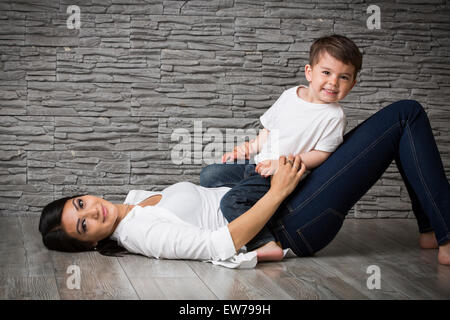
297 126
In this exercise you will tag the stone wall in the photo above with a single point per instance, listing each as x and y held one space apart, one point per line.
93 110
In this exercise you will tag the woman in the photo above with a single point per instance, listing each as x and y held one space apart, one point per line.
184 221
305 221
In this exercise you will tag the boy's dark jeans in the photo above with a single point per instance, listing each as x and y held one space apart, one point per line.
247 188
313 213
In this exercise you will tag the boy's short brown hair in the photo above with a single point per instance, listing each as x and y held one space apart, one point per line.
339 47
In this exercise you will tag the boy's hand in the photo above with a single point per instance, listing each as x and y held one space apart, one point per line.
240 152
267 168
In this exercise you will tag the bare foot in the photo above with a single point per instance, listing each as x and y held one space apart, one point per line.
428 240
444 254
269 252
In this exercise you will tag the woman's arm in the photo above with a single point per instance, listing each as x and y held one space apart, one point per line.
283 182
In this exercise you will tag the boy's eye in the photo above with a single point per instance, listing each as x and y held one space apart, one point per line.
325 72
345 77
80 203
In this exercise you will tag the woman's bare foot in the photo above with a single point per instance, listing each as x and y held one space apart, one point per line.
444 254
428 240
269 252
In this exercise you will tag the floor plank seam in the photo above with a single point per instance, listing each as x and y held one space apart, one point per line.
128 278
54 275
206 285
19 220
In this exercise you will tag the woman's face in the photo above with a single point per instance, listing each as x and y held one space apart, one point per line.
88 218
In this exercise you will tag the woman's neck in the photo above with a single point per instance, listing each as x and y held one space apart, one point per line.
122 211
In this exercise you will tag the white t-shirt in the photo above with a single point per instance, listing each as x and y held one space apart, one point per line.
297 126
186 223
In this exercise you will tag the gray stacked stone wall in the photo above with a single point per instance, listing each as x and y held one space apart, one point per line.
93 110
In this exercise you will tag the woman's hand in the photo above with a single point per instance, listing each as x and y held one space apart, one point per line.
283 182
287 176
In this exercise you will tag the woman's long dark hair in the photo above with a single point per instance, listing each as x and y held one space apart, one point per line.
55 238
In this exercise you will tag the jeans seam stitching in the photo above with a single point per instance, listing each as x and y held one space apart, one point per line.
310 249
438 212
290 240
299 230
304 203
312 221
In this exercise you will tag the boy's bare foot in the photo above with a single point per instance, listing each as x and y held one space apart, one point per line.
444 254
269 252
428 240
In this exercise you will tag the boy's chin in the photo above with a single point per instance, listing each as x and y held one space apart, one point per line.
329 99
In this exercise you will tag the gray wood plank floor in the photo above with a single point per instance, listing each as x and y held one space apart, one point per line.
29 271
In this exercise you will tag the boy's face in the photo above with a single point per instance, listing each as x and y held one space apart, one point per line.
330 80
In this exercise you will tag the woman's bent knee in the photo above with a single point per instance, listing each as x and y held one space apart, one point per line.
407 106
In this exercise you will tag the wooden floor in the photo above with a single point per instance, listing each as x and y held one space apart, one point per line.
29 271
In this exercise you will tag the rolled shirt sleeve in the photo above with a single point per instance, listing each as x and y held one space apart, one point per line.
160 234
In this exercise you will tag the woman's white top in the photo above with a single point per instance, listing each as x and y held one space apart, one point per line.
186 223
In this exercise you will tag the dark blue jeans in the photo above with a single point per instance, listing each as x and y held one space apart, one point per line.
247 188
311 216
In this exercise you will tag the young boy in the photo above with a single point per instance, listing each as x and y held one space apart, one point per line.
305 121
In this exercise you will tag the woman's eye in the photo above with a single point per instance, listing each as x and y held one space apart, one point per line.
80 203
325 72
83 225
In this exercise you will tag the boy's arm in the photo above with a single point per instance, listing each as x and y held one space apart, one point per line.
246 150
314 158
256 145
311 159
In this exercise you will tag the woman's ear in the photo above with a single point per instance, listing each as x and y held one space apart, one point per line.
308 72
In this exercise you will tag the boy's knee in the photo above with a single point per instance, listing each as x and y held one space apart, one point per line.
208 176
226 206
234 203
